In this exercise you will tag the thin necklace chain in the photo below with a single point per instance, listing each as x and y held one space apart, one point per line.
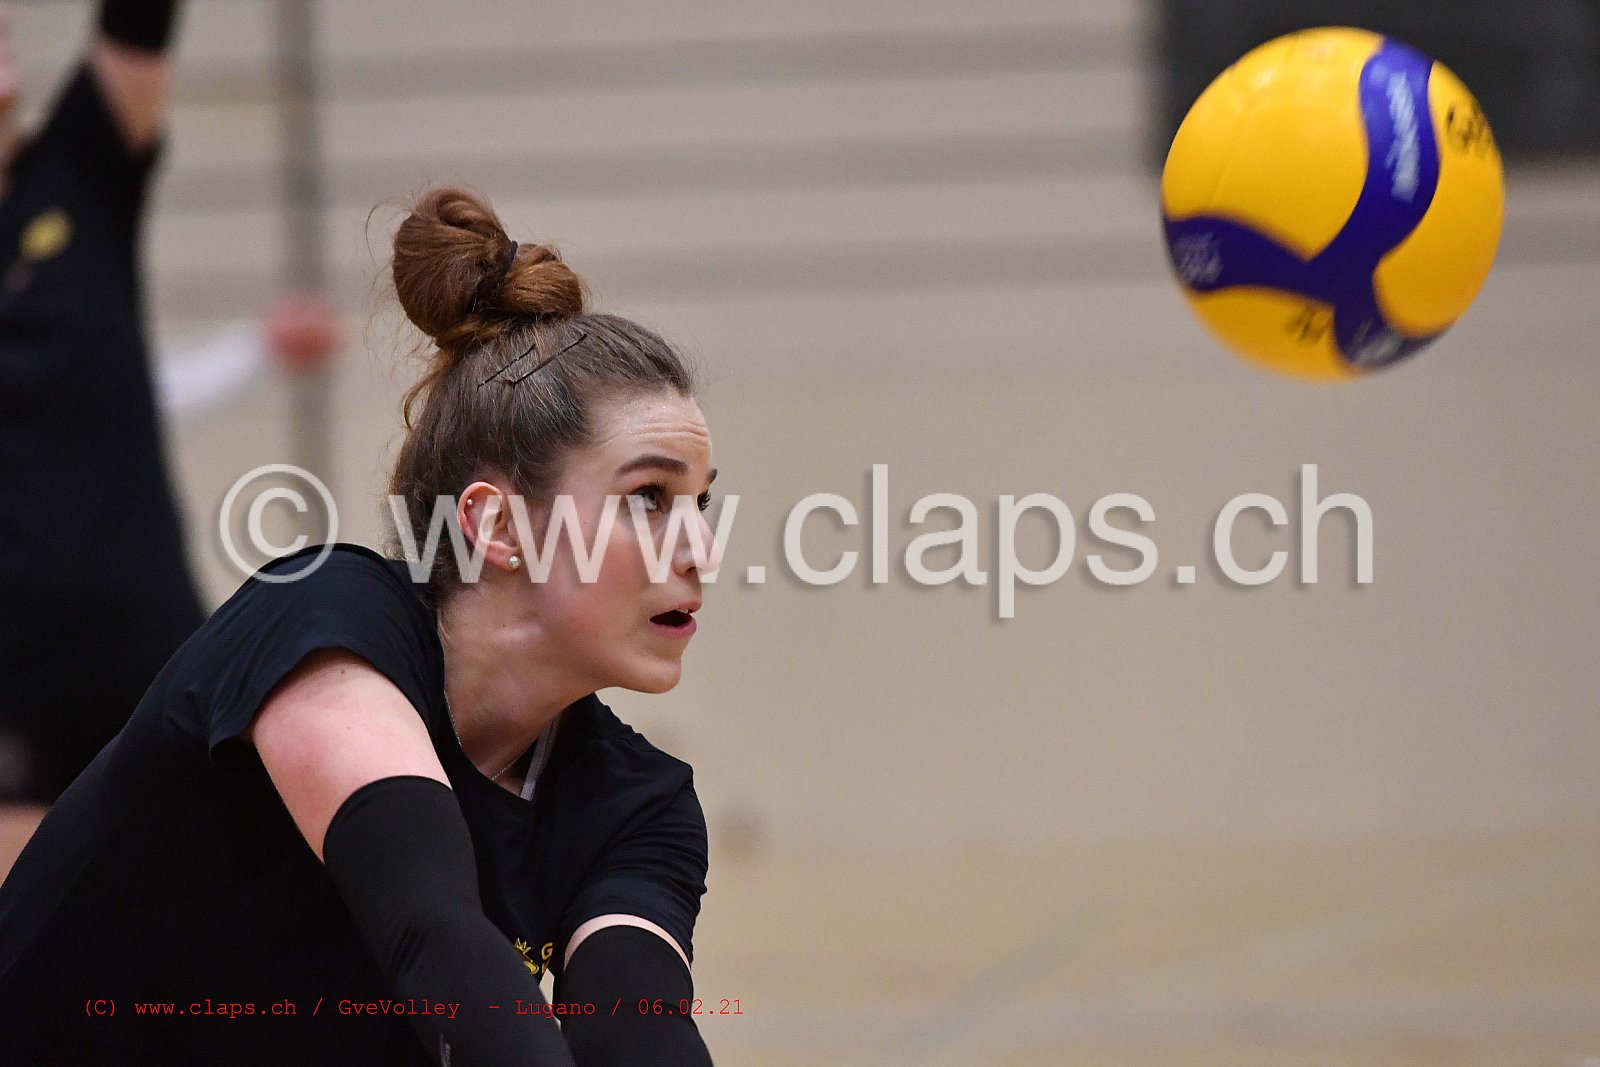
450 713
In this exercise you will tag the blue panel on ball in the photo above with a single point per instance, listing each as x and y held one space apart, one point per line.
1402 175
1209 253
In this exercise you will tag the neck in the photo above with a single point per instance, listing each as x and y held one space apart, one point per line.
499 681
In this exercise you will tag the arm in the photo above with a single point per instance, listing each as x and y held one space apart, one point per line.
299 334
353 763
191 378
631 925
627 959
601 922
129 58
333 725
9 85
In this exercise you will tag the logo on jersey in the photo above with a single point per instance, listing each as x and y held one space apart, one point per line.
536 969
46 236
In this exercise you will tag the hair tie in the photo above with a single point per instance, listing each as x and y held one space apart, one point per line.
489 288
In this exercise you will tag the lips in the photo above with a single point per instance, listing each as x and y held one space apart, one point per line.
677 622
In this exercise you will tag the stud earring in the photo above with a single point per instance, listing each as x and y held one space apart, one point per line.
514 562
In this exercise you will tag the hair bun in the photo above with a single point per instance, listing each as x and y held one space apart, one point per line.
463 282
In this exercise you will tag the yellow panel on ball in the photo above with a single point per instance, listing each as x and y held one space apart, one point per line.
1201 150
1284 332
1432 276
1274 143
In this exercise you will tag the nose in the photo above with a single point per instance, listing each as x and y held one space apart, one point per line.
698 551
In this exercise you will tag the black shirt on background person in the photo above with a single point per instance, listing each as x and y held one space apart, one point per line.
95 588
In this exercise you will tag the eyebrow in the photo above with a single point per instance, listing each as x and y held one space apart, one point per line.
665 463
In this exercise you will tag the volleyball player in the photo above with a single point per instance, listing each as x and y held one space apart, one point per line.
95 586
357 789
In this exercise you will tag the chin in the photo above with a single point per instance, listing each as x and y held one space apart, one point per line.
659 678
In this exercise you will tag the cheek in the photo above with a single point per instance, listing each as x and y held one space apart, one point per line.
613 601
606 560
624 567
619 582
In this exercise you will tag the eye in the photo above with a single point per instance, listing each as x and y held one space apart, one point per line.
654 497
651 495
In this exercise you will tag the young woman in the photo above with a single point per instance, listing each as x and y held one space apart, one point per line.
356 810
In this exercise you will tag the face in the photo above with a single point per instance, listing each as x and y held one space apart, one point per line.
623 629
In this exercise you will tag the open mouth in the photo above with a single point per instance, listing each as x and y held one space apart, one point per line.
674 623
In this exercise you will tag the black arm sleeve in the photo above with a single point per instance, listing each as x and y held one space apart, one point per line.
630 964
399 853
656 870
142 24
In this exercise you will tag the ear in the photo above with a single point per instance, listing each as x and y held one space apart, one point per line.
495 520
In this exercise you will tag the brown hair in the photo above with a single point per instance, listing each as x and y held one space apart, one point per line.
494 313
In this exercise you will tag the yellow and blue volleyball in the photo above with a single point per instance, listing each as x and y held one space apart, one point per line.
1332 203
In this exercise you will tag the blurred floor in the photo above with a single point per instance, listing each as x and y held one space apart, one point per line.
1463 949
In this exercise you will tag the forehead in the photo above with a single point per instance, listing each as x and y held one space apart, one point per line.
662 423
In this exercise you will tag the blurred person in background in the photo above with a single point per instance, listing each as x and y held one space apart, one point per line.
95 587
